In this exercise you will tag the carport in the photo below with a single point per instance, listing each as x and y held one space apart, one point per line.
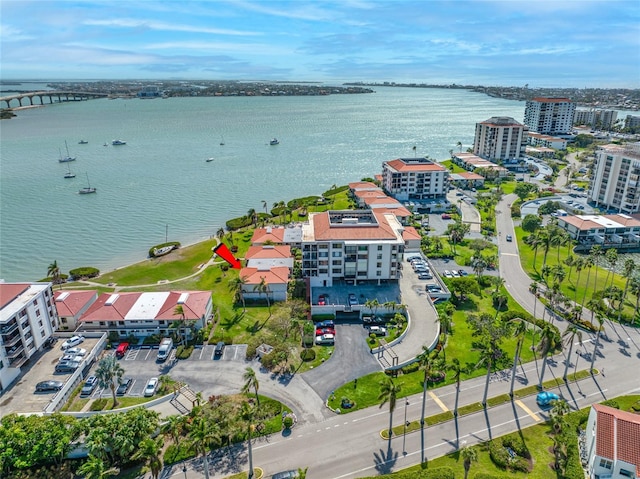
347 316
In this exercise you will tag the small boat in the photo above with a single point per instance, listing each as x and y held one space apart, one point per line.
162 251
274 142
68 174
87 189
209 160
67 158
222 141
83 142
118 142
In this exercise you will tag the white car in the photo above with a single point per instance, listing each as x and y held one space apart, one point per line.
72 341
151 387
325 339
378 330
76 351
447 274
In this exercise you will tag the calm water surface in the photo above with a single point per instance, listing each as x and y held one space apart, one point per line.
160 177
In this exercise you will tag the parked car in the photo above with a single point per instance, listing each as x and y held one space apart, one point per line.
72 341
89 386
327 339
322 300
434 288
447 274
50 341
545 398
49 386
124 386
285 475
353 300
151 387
121 349
410 259
378 330
463 272
446 216
509 238
425 275
70 357
67 366
325 324
455 274
219 350
76 351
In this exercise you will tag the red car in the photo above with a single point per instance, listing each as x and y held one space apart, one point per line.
321 331
446 216
322 300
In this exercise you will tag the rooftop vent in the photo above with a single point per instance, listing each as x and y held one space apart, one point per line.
63 296
112 299
183 298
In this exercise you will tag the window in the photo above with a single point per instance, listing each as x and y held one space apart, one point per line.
625 473
378 265
42 334
379 256
40 323
605 463
379 247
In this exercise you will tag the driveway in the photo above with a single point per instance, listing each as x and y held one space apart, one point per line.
351 359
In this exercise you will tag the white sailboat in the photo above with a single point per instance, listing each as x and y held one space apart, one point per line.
69 174
87 189
67 158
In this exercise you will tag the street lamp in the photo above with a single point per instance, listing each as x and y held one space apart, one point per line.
184 469
404 434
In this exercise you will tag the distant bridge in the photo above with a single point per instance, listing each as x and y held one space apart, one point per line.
52 95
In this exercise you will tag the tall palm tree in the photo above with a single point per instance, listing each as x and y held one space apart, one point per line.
174 427
457 370
414 150
264 206
596 252
588 263
518 329
251 382
53 272
263 288
579 264
95 468
611 256
596 343
388 394
459 145
150 450
468 455
627 272
237 285
247 413
220 234
569 336
179 311
534 242
569 261
489 352
109 374
202 434
426 365
549 342
251 214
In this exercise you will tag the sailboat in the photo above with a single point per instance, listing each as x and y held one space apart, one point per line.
87 189
222 141
67 158
68 174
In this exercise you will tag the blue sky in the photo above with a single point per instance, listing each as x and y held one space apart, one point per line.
578 43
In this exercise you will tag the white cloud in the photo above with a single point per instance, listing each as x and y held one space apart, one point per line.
161 26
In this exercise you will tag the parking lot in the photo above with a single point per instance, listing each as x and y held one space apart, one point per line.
21 397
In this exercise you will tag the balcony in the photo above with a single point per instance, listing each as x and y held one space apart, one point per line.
17 362
10 341
15 351
9 328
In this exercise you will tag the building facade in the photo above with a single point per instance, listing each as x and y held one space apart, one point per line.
612 439
549 116
607 230
597 118
615 181
352 245
546 141
414 179
28 318
500 138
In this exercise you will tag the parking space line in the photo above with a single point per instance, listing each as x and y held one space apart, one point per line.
148 353
436 399
533 415
235 352
201 352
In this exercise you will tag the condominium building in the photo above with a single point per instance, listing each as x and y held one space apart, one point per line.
616 178
354 245
500 138
550 116
28 318
546 141
632 121
597 118
414 179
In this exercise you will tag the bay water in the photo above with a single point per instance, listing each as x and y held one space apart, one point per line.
160 180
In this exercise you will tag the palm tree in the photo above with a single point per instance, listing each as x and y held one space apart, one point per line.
174 427
628 270
457 370
414 150
459 145
95 468
570 262
534 242
611 256
588 263
179 311
596 252
578 263
264 205
490 352
549 342
519 329
251 214
597 341
150 450
560 408
237 285
220 234
53 272
426 364
251 382
109 374
263 288
247 413
468 455
201 435
388 394
569 336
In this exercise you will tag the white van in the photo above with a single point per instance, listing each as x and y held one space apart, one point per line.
165 349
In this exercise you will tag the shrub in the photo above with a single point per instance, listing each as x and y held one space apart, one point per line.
287 422
98 404
611 403
307 354
176 453
183 352
84 272
437 473
499 454
484 475
411 368
237 223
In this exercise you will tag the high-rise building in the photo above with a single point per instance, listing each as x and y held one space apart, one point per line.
414 179
500 138
601 119
616 178
549 116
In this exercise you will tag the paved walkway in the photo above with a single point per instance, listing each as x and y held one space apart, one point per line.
470 213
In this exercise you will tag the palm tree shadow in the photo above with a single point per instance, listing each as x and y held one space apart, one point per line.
385 461
486 418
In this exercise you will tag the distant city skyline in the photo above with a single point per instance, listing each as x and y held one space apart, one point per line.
571 43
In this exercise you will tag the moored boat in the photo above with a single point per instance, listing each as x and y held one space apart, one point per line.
118 142
87 189
83 142
274 141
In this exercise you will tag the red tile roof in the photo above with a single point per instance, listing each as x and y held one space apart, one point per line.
10 291
399 211
401 166
194 307
410 233
468 175
275 275
262 235
542 99
268 252
370 193
70 303
618 435
384 200
323 231
362 185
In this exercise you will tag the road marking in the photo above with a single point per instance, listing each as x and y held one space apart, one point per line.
509 254
535 417
436 399
201 352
